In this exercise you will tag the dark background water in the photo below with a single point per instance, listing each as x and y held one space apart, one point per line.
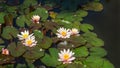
107 26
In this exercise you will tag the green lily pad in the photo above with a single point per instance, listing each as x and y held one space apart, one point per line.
33 53
16 50
22 20
1 41
42 12
9 66
76 41
93 40
107 64
81 52
21 66
1 47
94 6
81 13
9 32
27 3
97 62
2 14
94 62
97 42
52 59
45 43
74 65
97 51
38 34
86 27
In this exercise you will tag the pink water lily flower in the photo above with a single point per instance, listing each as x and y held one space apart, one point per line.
35 19
5 51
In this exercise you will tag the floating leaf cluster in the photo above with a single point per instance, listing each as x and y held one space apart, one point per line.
60 38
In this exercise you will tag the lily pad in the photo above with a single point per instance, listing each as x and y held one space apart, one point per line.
94 62
98 51
42 12
86 27
81 52
1 41
93 6
107 64
22 20
45 43
9 32
38 34
93 39
16 50
2 14
52 58
33 53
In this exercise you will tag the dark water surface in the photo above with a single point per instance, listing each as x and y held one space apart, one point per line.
107 26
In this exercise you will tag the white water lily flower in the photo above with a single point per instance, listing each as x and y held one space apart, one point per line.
30 41
24 35
5 51
66 56
36 19
63 33
74 31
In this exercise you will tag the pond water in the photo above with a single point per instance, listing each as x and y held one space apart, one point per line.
107 26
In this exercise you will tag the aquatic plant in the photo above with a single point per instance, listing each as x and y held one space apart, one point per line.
34 35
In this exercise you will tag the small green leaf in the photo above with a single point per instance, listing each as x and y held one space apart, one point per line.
94 6
81 13
76 41
20 21
61 66
9 32
1 41
21 66
94 62
93 40
86 27
52 59
74 65
1 47
97 51
31 65
97 42
2 14
9 66
90 34
27 3
38 34
45 43
11 9
16 50
33 53
107 64
42 12
64 14
81 52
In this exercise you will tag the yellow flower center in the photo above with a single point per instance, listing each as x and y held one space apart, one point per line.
66 56
29 42
25 36
64 33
